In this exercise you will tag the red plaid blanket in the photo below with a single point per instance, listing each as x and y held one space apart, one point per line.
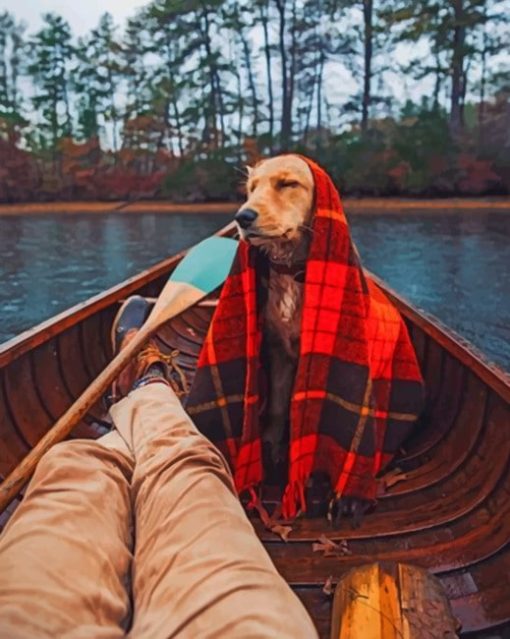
358 387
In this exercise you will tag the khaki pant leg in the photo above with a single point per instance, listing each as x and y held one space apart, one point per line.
65 554
199 569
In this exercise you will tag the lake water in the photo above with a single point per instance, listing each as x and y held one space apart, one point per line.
455 266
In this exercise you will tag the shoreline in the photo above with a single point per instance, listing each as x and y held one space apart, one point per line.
352 205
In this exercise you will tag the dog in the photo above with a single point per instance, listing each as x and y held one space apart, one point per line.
276 218
327 329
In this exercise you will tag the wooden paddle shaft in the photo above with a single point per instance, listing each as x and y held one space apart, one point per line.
178 297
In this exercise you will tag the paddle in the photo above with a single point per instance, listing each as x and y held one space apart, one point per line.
199 273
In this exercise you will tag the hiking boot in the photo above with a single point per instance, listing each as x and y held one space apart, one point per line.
150 365
130 318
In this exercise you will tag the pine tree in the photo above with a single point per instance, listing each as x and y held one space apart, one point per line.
238 20
97 80
11 48
368 50
173 43
135 46
451 27
491 40
263 17
212 63
52 57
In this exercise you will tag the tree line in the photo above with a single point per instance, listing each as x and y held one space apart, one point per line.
188 91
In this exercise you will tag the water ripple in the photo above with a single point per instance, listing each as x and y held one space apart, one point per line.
453 265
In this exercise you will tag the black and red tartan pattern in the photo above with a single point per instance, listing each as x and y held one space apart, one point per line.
358 387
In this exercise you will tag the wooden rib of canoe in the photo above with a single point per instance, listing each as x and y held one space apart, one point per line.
450 513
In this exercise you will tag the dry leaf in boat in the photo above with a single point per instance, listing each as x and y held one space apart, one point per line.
281 531
393 477
330 548
345 548
324 543
328 589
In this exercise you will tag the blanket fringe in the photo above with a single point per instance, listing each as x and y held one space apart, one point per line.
294 500
255 503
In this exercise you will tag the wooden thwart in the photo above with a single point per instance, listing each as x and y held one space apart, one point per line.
391 601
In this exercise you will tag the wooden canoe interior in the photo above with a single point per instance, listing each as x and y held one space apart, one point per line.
450 515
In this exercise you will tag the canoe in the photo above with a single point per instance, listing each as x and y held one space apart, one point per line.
449 513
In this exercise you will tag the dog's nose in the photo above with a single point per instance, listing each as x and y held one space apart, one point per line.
246 217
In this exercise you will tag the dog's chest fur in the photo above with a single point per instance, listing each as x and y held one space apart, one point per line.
283 311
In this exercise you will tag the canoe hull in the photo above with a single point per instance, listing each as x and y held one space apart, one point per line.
450 515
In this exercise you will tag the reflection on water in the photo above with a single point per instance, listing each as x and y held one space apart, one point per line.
455 266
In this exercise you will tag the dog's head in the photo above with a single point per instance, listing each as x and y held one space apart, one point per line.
278 208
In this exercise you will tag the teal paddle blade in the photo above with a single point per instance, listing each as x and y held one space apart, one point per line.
207 264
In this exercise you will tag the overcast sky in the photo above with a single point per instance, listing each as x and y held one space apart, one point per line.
82 16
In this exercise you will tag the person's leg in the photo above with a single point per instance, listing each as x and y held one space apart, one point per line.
199 569
65 555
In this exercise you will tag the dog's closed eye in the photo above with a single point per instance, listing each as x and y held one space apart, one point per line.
287 184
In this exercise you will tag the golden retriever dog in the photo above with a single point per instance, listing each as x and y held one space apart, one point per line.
276 218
